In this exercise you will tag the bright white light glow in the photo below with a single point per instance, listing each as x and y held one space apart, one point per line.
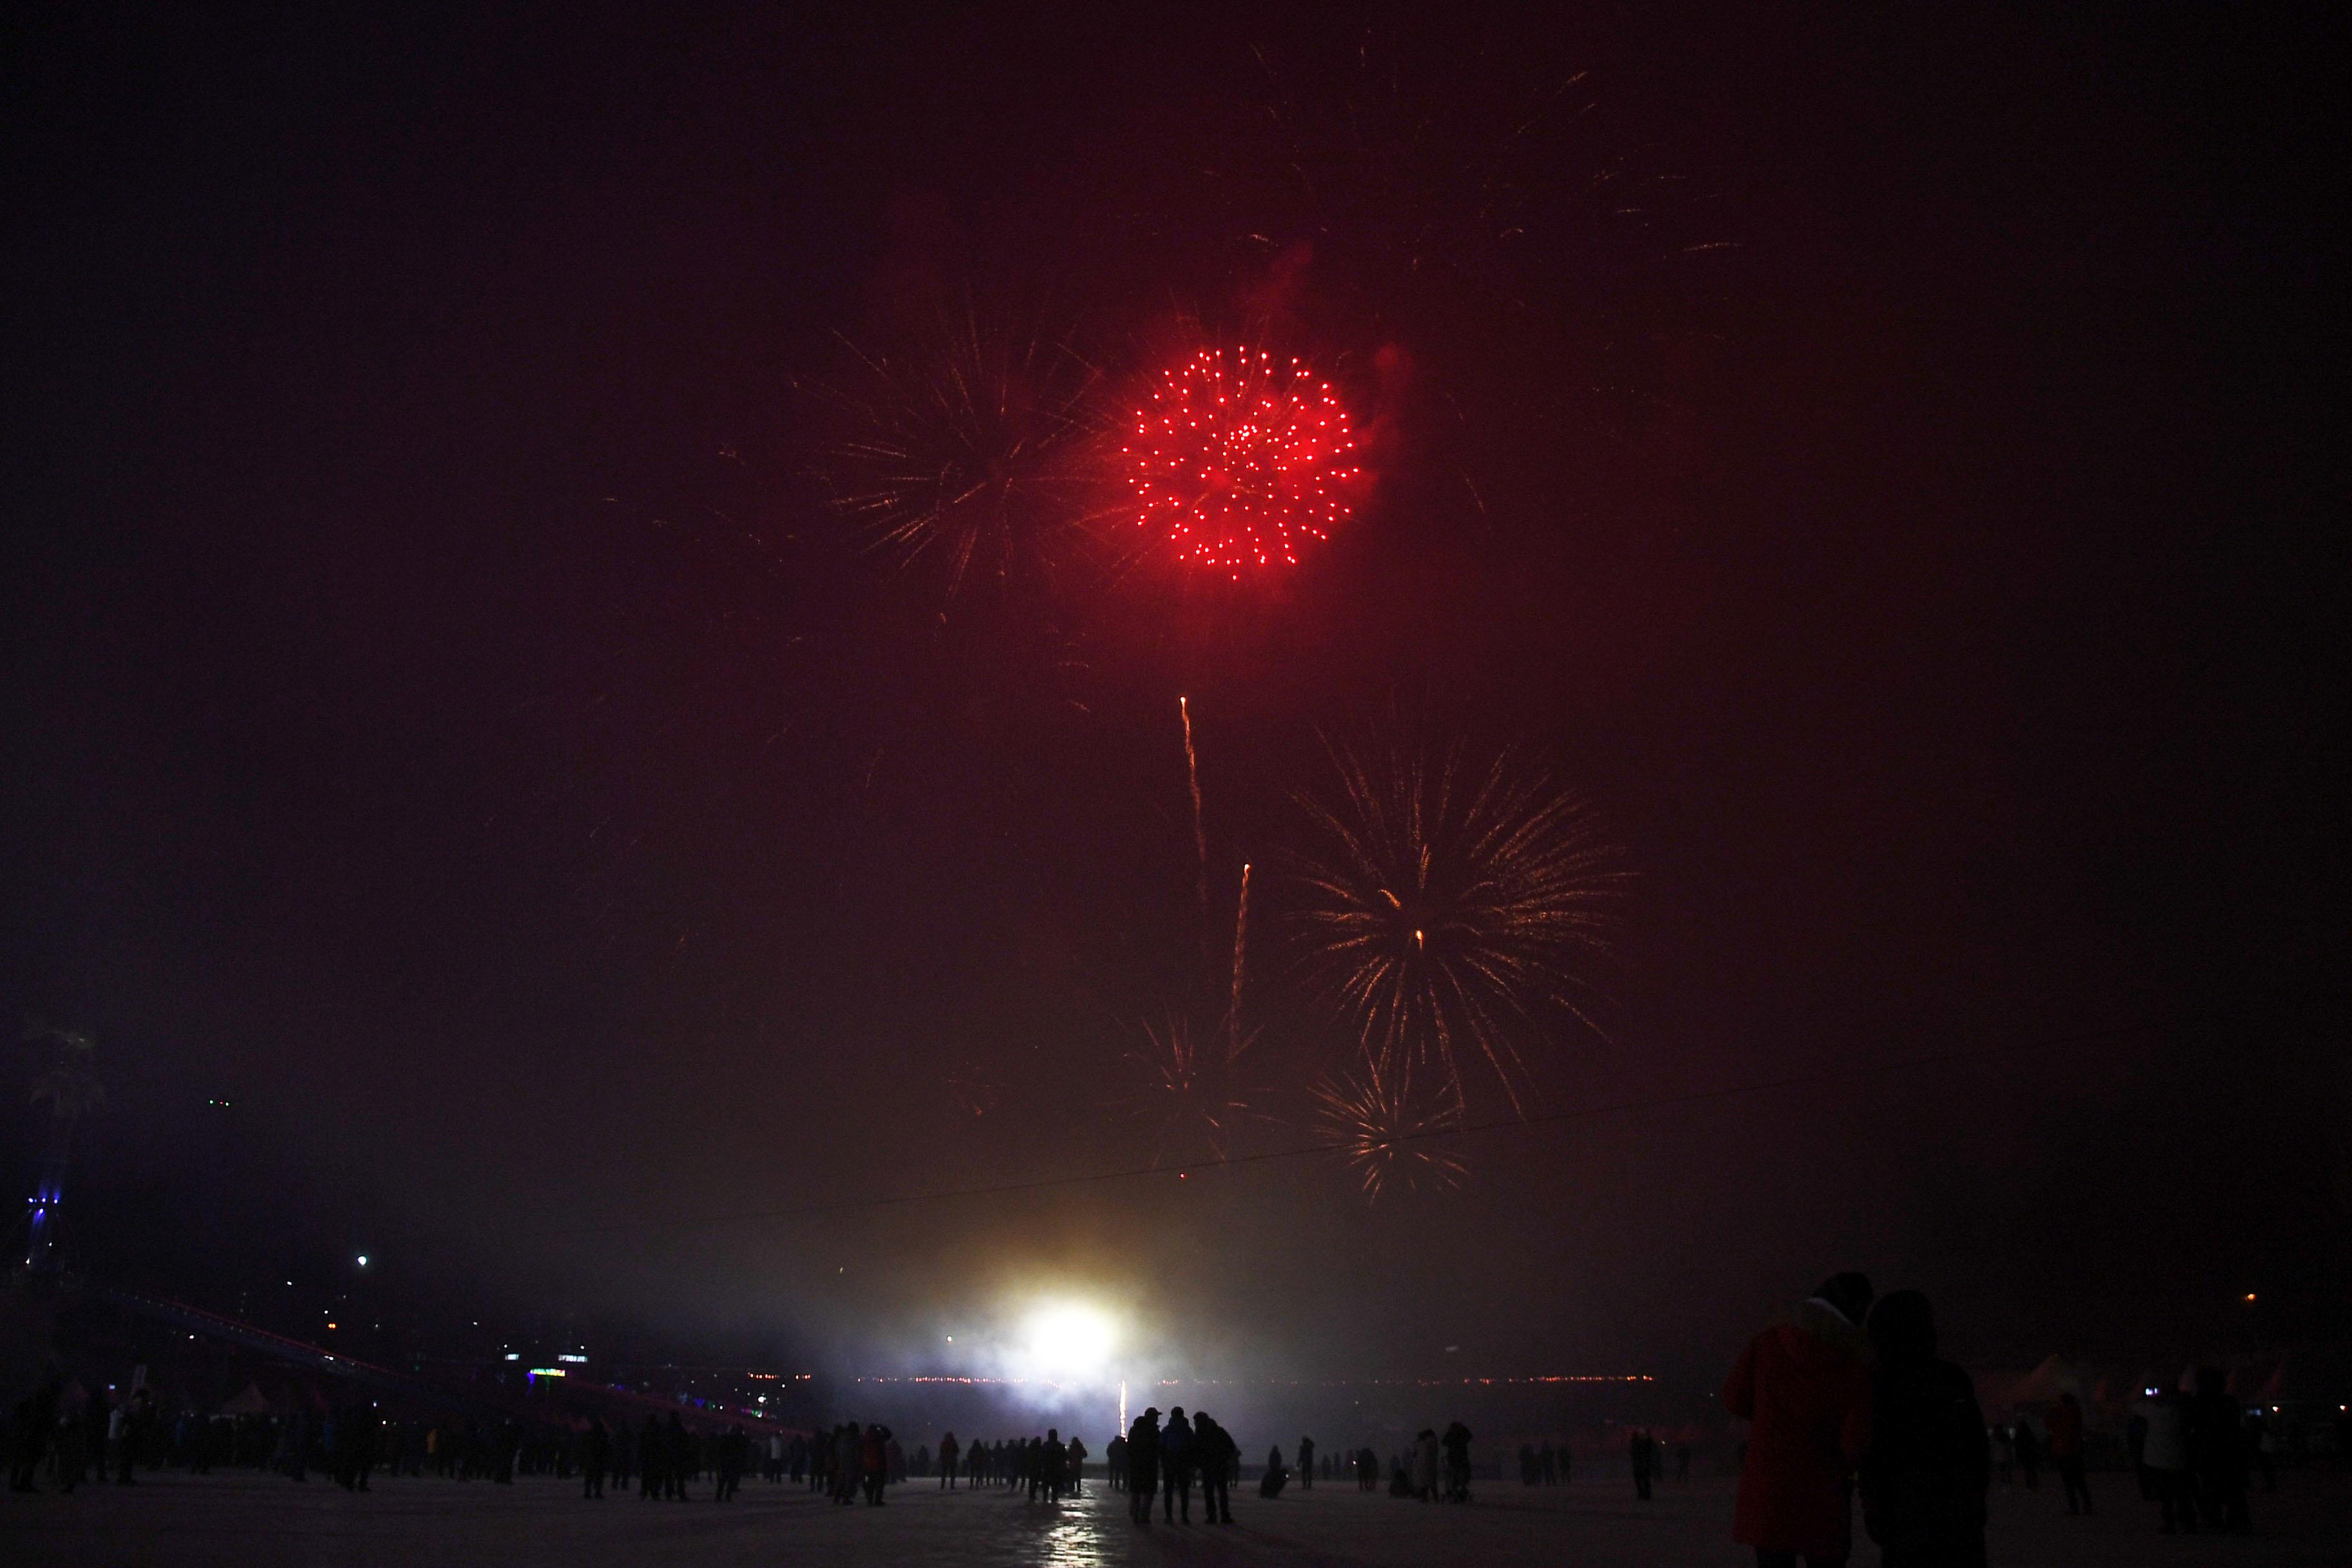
1068 1339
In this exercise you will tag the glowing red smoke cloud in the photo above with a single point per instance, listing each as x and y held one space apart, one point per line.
1240 462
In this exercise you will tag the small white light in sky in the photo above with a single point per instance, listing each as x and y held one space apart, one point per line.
363 1260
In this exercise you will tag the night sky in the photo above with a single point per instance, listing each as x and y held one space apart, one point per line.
1877 457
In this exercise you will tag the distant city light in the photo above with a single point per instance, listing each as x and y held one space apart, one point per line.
363 1260
547 1371
572 1358
512 1356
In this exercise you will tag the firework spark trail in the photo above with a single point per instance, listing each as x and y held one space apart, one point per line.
1199 828
1240 939
1193 1100
1450 908
1388 1129
971 447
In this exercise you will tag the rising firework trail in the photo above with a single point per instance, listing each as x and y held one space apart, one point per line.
1199 827
1241 951
1239 463
1449 910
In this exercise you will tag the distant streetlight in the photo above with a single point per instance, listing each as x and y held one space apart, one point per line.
364 1265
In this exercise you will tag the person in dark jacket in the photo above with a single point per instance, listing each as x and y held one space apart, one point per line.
2216 1452
1803 1387
1213 1453
2028 1454
1176 1467
595 1453
2064 1424
681 1459
1143 1465
734 1448
36 1428
1924 1481
653 1458
1456 1444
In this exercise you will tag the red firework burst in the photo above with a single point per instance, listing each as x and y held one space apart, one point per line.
1237 463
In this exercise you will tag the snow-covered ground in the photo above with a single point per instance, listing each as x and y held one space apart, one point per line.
243 1520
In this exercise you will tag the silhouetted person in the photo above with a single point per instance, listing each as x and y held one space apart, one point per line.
733 1449
2217 1453
1642 1450
1213 1453
138 1421
1368 1470
1115 1462
1053 1462
874 1460
2261 1448
1143 1465
1306 1464
1074 1472
596 1453
1456 1444
1276 1476
651 1450
36 1429
2066 1423
2135 1445
1924 1479
1176 1466
679 1460
1802 1387
2165 1452
2029 1455
948 1452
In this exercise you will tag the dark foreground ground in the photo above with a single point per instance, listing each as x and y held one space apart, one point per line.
250 1521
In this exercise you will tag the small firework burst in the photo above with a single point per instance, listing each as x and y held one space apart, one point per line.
1449 909
1237 463
1392 1133
1195 1090
975 1090
971 450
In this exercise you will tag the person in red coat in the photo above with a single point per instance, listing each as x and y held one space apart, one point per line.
1804 1387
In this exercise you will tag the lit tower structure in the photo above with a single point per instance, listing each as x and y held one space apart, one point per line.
66 1084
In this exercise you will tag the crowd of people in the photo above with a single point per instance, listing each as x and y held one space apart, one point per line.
1162 1462
1850 1398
